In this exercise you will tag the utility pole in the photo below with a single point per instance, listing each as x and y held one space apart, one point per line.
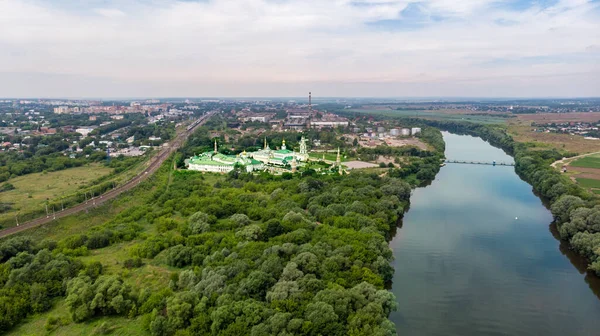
17 219
47 211
53 213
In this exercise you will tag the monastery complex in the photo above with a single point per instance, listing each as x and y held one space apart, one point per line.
264 159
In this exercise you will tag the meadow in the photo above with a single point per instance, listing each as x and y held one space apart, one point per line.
328 156
562 142
33 190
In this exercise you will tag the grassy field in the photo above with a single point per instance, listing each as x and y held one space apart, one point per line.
438 115
153 276
588 183
592 161
32 190
328 156
36 325
563 142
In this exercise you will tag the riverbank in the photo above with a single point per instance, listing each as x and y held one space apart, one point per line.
475 256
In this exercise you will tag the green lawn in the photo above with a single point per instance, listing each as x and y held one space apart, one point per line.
32 190
328 156
588 183
587 162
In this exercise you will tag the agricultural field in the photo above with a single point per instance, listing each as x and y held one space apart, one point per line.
560 117
449 115
588 183
592 161
31 191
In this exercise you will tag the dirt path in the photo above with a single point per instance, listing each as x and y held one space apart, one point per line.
571 159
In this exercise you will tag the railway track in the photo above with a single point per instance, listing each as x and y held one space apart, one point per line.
155 163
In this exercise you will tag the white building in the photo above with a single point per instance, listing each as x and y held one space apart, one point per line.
405 131
84 130
328 124
415 130
280 157
394 132
216 162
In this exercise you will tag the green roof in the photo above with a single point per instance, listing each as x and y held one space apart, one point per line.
209 162
283 151
226 160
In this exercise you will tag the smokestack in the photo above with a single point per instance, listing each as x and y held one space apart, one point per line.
309 102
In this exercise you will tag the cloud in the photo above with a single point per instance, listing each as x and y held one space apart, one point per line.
262 43
109 12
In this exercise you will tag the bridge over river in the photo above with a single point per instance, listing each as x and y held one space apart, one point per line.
487 163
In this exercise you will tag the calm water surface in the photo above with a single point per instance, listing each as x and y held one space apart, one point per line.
476 256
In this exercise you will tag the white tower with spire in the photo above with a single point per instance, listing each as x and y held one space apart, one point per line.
303 156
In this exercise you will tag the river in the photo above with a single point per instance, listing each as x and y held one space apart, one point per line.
476 256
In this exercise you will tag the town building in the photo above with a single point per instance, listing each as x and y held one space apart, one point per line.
405 131
415 130
329 121
259 117
84 130
61 110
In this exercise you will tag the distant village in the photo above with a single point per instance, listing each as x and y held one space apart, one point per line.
589 130
131 128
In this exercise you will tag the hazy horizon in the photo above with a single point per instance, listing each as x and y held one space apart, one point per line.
285 48
314 98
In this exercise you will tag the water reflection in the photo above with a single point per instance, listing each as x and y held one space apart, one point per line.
475 256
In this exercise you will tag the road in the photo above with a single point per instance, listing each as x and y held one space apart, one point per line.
155 163
571 159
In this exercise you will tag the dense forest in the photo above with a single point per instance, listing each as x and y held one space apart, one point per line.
245 254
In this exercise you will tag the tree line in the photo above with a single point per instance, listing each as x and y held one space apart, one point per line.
576 211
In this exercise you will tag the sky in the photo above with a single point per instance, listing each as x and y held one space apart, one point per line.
271 48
